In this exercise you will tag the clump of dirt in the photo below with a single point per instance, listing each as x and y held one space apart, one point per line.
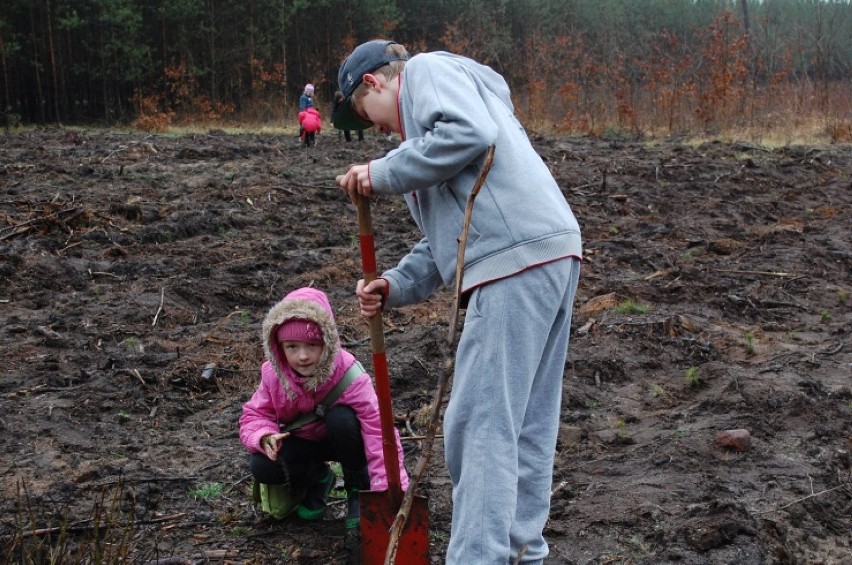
715 295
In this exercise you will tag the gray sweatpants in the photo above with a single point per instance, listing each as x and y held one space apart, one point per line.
502 421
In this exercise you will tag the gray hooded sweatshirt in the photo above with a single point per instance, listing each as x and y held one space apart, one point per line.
452 109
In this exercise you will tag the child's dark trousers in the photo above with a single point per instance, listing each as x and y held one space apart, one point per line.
301 461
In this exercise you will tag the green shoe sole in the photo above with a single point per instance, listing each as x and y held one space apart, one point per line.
313 514
310 515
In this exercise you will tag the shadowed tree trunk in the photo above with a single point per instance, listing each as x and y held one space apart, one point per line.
37 68
53 71
7 102
752 58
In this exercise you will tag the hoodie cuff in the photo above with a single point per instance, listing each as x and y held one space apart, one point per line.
377 172
385 291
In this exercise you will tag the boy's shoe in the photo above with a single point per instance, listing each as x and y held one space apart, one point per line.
313 505
353 509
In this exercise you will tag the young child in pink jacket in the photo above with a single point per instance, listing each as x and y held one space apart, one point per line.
304 361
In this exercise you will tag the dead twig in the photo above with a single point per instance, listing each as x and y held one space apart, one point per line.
660 273
764 273
239 482
836 349
138 375
802 499
418 438
160 309
730 173
16 231
127 480
93 274
132 373
67 247
80 527
366 340
521 554
37 220
207 336
41 389
203 557
559 488
408 427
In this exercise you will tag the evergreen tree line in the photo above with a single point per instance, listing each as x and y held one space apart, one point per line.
112 61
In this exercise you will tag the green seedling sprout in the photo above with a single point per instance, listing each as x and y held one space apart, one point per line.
629 306
692 377
132 344
749 343
206 491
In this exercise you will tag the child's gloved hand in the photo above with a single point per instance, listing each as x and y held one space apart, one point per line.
272 443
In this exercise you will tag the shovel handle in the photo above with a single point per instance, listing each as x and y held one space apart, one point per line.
380 363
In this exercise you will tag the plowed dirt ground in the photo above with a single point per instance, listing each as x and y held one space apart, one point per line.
716 294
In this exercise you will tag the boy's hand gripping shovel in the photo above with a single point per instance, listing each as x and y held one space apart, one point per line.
379 508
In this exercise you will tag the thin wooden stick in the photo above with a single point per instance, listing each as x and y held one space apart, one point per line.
449 364
160 309
39 219
418 438
767 273
84 528
16 231
468 212
805 498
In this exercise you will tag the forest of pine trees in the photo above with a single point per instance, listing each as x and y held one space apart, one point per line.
663 66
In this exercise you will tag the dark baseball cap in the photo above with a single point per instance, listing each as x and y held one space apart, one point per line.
366 58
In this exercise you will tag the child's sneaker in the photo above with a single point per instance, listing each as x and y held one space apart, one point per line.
353 509
313 505
354 481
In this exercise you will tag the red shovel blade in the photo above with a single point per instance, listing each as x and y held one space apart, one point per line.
376 520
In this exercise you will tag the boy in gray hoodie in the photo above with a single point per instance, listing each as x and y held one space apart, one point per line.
521 270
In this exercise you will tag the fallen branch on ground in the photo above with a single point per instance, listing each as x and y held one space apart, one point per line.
814 495
79 527
765 273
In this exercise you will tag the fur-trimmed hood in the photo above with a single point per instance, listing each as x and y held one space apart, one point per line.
302 304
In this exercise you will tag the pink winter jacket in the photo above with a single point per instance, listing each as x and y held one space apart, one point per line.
283 395
310 120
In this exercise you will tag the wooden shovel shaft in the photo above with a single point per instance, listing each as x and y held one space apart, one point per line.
380 364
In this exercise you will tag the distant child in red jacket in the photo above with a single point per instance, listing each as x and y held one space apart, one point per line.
311 123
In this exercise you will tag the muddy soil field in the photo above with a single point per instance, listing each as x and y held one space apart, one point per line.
716 295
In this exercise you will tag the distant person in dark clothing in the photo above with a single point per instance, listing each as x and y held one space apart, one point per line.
347 134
